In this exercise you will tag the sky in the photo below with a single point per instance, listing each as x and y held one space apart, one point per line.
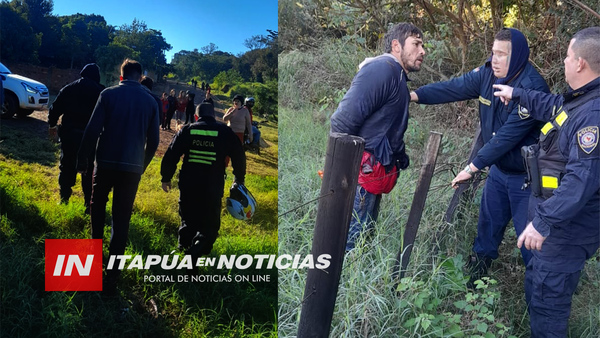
186 24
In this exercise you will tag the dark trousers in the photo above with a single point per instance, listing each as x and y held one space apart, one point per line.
189 117
364 215
550 281
125 185
200 219
69 146
167 122
502 200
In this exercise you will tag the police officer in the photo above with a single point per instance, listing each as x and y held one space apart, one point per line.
565 229
75 102
504 130
204 144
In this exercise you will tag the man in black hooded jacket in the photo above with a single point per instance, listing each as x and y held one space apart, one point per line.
75 102
504 130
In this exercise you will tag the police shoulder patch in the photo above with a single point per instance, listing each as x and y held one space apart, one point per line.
587 138
523 112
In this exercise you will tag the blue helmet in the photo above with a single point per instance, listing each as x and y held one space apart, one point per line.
240 203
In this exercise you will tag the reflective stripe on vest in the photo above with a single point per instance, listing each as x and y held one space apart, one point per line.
549 182
550 161
203 156
201 132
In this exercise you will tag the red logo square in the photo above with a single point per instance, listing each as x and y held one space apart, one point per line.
73 264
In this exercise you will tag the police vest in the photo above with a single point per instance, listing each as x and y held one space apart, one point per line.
552 164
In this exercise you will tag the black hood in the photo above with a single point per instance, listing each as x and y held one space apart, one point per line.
91 71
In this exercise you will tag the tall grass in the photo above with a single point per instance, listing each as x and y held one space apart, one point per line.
30 213
432 300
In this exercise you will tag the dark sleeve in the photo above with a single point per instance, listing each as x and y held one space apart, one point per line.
236 153
58 107
173 154
541 106
510 134
461 88
369 91
91 134
580 183
152 138
506 139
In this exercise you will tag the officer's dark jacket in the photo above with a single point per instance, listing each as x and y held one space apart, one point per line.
572 214
123 129
504 129
204 144
76 101
376 109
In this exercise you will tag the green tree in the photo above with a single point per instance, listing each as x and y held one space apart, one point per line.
260 63
75 41
225 80
38 14
109 59
18 42
81 35
209 49
149 43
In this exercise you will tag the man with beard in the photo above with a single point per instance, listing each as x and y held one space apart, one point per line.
504 130
376 109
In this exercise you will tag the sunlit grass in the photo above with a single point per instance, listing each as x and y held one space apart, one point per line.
30 213
433 299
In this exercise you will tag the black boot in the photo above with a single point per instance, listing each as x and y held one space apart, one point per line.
478 268
65 195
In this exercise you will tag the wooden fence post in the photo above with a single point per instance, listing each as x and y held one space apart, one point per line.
418 203
475 146
334 212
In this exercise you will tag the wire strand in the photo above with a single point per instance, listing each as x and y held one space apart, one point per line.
305 203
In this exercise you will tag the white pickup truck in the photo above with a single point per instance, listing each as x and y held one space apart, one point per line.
21 95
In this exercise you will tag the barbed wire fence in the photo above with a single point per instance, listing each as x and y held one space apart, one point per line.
439 170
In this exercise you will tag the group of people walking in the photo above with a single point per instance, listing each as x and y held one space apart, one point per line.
110 136
182 108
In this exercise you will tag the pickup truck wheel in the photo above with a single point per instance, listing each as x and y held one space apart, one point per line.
9 108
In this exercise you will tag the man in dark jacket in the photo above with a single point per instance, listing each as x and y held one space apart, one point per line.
190 108
376 109
75 102
504 130
565 212
149 83
205 145
124 131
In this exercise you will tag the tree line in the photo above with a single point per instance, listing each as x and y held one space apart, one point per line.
31 33
458 33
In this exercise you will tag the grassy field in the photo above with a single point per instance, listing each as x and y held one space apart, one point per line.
30 213
432 300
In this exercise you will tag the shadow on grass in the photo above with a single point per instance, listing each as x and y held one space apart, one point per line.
22 219
25 139
239 300
265 159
